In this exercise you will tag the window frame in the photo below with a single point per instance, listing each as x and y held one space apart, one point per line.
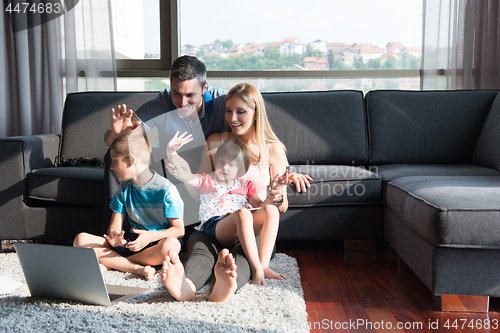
169 47
170 50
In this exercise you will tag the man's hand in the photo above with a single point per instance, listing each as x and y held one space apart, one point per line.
141 242
115 238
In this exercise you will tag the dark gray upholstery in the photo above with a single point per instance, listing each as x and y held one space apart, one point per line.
324 223
86 116
43 202
390 172
449 211
73 185
18 156
337 185
466 271
437 155
11 190
445 270
487 152
425 127
320 127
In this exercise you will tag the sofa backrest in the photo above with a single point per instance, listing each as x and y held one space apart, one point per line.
435 127
320 127
87 115
487 152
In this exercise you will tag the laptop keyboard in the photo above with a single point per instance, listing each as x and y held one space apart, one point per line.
113 297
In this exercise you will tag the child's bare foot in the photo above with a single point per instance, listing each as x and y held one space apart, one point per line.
174 279
270 274
149 273
225 277
258 278
103 268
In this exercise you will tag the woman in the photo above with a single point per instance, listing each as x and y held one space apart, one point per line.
246 121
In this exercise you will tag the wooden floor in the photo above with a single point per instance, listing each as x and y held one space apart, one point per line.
373 292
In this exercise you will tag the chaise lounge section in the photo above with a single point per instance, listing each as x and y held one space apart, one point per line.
440 168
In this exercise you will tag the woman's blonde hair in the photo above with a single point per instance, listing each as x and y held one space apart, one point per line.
253 98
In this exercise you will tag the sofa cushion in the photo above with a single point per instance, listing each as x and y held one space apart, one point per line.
390 172
320 127
429 127
87 115
336 185
488 145
69 185
449 211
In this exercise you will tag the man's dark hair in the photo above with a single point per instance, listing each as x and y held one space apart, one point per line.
187 68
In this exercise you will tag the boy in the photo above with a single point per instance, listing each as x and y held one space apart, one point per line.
152 205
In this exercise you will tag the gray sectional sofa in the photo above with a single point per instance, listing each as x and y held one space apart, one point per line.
420 170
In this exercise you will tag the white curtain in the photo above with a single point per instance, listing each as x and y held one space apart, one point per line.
461 45
41 64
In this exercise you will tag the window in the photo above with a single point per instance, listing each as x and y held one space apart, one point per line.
284 44
294 35
142 36
136 26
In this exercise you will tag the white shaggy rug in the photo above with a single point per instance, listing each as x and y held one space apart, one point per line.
277 307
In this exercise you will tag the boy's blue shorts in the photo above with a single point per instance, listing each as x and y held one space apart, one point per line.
130 237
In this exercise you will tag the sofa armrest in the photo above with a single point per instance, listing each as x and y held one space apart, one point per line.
18 156
37 151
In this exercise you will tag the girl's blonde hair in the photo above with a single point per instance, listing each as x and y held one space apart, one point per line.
263 131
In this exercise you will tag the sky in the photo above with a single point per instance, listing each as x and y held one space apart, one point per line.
348 21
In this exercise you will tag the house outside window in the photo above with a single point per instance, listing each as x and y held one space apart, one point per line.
329 45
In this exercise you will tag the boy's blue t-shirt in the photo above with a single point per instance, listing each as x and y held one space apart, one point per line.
148 206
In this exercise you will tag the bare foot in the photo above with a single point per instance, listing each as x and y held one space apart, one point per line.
270 274
103 268
258 278
174 279
225 277
149 273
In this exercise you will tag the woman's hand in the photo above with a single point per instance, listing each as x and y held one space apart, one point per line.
115 238
301 181
274 191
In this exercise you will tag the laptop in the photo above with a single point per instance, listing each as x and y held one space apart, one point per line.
69 273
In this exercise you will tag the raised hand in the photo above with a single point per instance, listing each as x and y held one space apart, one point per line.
178 141
122 121
115 238
274 189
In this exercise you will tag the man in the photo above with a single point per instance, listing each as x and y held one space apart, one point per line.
192 106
